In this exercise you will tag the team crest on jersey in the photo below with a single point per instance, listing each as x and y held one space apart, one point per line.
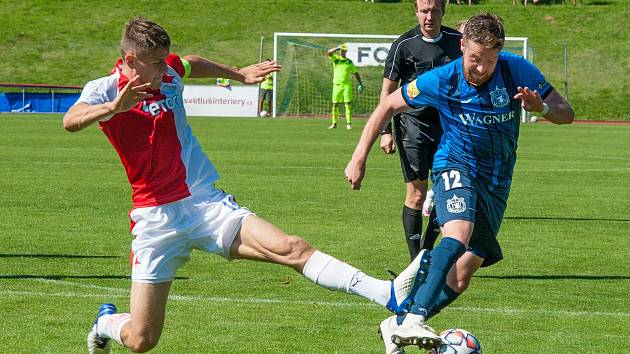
412 90
499 97
456 205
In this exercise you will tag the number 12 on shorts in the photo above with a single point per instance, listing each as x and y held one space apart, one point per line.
451 180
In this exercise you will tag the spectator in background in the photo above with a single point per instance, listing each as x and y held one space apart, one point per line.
459 2
266 94
535 2
343 68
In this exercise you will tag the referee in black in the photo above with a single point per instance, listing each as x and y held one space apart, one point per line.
418 131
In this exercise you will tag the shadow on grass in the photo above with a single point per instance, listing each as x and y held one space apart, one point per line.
36 255
563 218
556 277
60 277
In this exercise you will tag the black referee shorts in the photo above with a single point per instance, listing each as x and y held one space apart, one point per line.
417 141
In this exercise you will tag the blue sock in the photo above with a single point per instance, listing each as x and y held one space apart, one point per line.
442 259
445 298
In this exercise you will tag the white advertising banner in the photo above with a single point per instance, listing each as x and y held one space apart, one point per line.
368 54
217 101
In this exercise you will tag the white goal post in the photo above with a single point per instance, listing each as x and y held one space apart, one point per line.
303 87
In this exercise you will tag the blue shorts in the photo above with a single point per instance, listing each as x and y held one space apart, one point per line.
459 196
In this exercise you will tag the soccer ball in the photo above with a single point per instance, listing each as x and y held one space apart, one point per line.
533 119
263 113
458 341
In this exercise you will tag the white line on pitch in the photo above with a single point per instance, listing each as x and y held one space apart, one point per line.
80 285
214 299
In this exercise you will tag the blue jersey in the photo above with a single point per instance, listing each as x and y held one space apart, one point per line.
480 124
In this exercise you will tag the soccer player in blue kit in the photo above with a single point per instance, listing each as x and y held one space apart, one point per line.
479 99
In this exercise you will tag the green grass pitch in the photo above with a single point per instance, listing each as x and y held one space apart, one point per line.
562 287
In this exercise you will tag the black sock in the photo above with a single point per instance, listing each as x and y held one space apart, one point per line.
431 233
412 224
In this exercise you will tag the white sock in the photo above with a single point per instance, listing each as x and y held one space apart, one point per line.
334 274
110 326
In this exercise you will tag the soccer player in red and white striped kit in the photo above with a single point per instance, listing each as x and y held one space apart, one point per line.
176 207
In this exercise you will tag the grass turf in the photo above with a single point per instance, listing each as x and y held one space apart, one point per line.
562 286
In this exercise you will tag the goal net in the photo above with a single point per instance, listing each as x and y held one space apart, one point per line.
303 87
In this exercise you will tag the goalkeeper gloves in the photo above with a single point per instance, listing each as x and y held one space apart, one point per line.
360 87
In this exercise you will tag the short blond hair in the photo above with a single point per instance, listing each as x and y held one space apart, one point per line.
485 29
141 35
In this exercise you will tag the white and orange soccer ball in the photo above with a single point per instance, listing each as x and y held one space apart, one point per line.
458 341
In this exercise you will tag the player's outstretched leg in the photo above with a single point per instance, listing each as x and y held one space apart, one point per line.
97 344
386 331
261 240
405 285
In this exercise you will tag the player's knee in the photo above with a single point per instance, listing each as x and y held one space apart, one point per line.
143 345
296 251
415 199
461 285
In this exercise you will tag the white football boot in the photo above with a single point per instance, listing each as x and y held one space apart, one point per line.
415 332
386 329
405 285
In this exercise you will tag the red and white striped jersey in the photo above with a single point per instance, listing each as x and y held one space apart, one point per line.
162 158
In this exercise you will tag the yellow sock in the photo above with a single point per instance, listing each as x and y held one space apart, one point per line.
348 113
335 113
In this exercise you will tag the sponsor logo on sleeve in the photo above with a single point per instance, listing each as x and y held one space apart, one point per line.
412 90
542 85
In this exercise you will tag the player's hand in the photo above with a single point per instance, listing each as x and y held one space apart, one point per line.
355 172
387 143
530 100
256 73
360 88
131 94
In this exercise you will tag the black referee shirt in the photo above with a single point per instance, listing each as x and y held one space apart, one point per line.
411 55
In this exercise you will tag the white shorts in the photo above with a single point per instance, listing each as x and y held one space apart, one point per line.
165 235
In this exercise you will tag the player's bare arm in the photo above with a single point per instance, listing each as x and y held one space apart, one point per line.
82 115
393 104
559 111
203 68
387 140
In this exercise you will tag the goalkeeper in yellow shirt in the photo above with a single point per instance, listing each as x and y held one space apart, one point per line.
343 68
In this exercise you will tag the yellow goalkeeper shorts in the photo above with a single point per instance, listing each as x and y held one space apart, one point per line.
341 93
